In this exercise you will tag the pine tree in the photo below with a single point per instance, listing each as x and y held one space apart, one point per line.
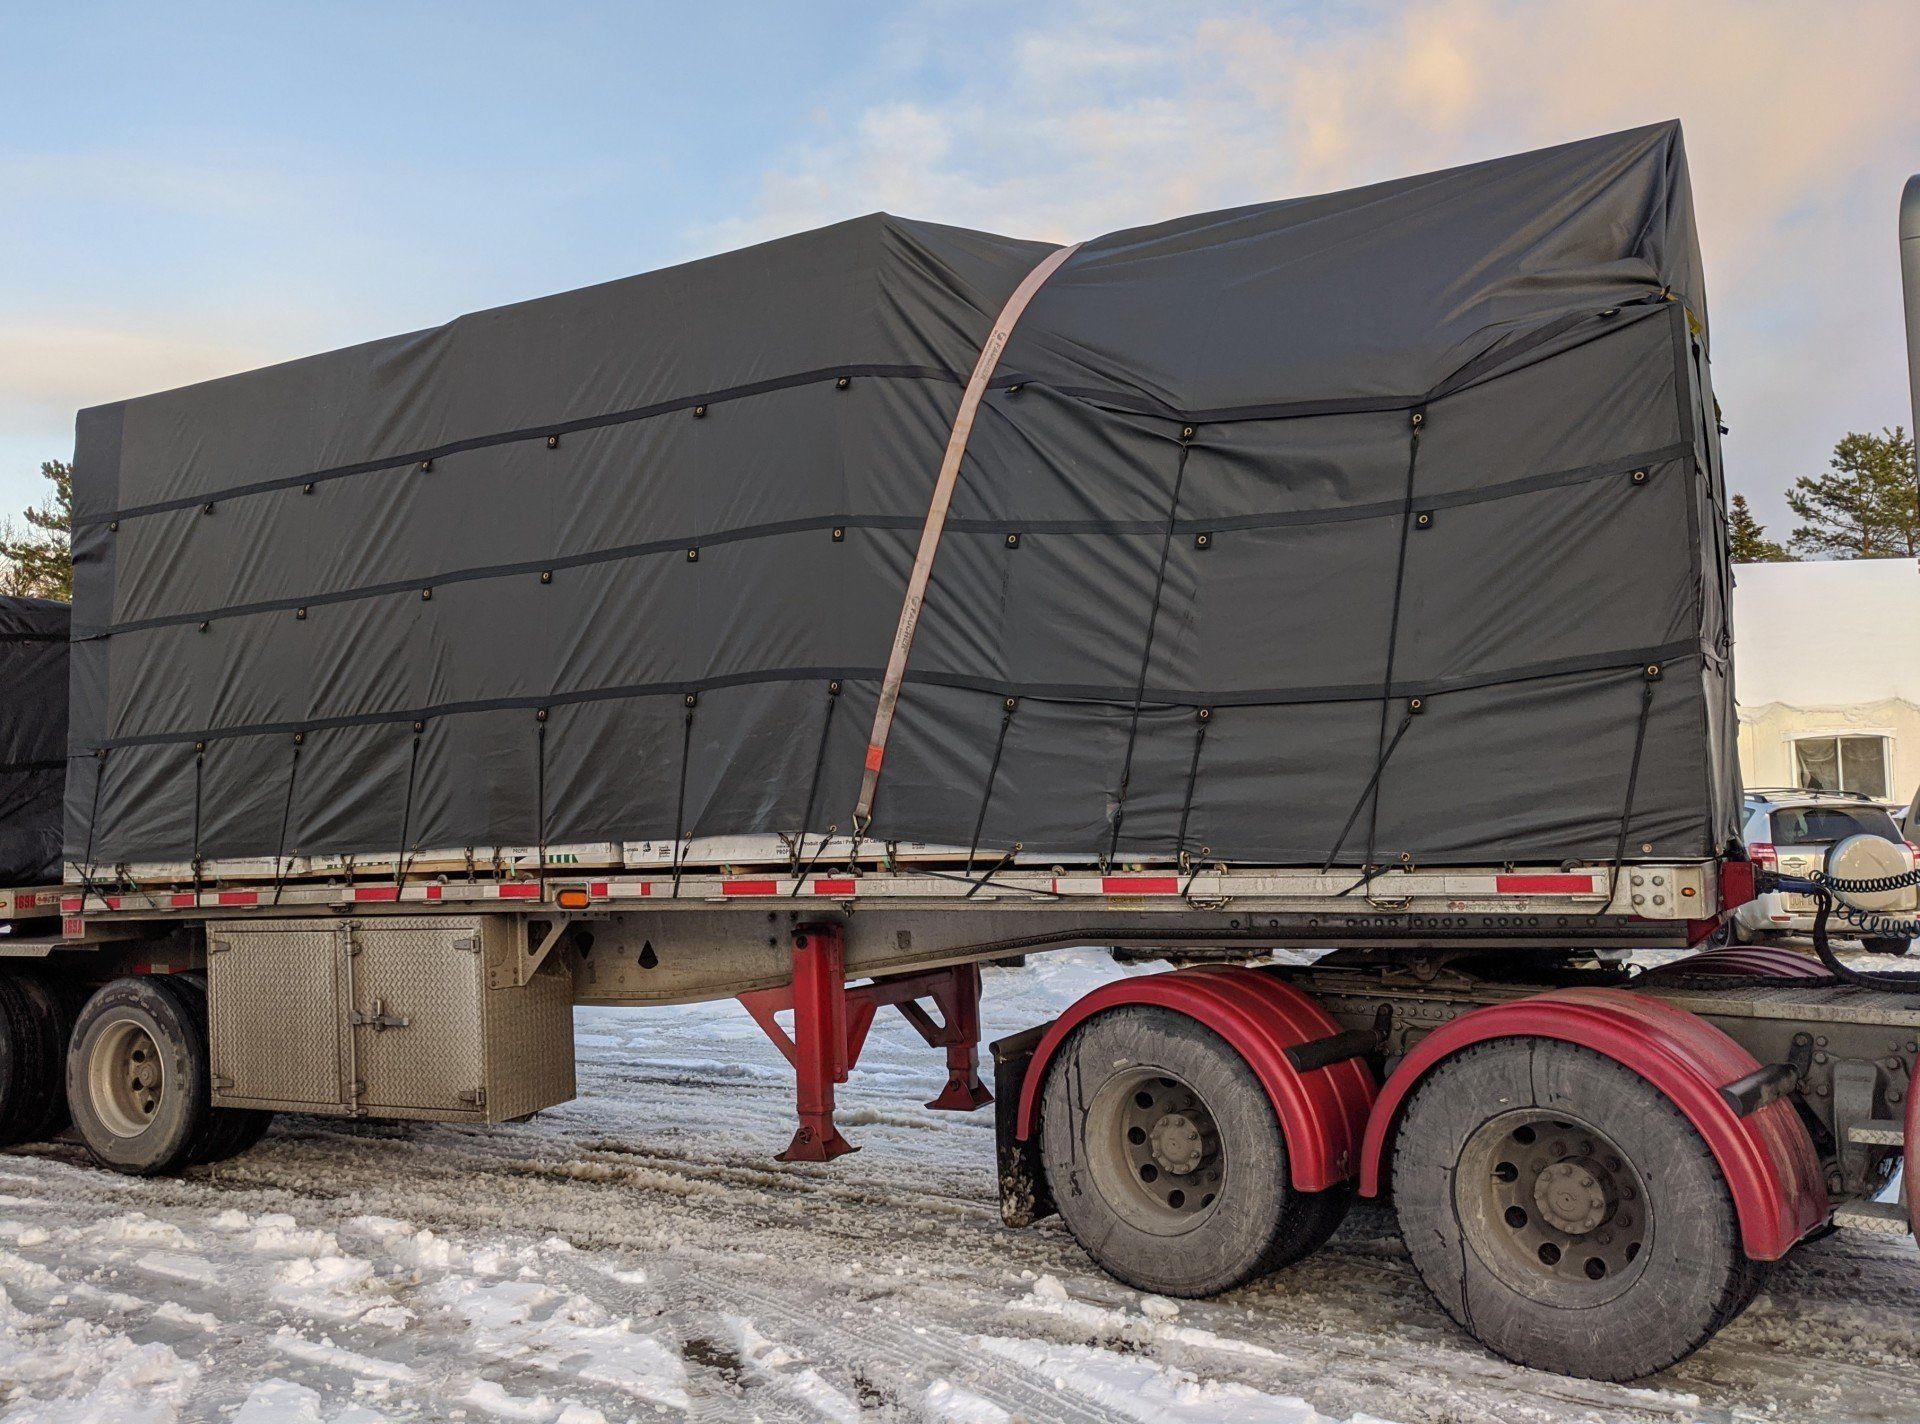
1747 537
41 565
1866 506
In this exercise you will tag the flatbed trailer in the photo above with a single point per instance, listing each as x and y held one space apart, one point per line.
1257 1095
1397 643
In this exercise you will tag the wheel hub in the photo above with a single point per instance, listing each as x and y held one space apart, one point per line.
1570 1197
1157 1150
126 1079
1556 1205
1178 1144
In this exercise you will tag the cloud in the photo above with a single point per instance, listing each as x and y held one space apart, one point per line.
1801 124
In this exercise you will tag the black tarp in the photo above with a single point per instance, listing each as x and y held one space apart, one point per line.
33 738
631 558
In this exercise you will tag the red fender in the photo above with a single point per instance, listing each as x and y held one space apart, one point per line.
1322 1112
1753 961
1767 1158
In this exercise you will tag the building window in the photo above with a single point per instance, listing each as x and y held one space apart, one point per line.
1842 764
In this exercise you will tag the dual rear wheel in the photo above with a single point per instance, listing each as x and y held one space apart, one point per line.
137 1079
1557 1205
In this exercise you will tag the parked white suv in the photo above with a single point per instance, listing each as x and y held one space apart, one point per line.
1791 831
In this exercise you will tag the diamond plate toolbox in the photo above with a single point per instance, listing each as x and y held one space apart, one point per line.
388 1017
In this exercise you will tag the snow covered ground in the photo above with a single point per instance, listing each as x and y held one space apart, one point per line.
637 1254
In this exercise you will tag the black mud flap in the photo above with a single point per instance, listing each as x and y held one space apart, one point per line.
1024 1197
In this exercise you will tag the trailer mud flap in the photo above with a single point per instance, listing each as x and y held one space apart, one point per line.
1024 1195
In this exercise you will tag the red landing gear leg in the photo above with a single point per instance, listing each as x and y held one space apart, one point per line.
830 1024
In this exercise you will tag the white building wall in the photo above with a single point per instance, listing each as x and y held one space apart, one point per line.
1827 649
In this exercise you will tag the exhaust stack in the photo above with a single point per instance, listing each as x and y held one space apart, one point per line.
1910 281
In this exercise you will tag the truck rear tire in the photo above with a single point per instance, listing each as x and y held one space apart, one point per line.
1565 1213
1166 1160
137 1076
1886 945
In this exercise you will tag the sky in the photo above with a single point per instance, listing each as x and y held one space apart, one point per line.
188 190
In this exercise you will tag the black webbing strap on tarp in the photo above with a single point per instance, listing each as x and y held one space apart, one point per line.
1146 644
813 783
406 810
1416 422
1007 710
280 862
680 794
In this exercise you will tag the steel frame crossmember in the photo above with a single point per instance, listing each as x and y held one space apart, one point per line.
830 1024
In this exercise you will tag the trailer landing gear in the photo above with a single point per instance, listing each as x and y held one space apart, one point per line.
830 1023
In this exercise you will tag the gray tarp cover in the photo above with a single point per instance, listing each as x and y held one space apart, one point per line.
1245 485
33 738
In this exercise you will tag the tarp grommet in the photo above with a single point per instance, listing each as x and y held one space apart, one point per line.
693 556
699 411
426 595
1416 705
1652 672
113 526
1016 388
1203 541
546 576
299 738
307 488
692 698
419 726
300 613
833 688
1013 541
839 534
1423 519
540 714
425 465
1187 432
843 383
205 626
553 442
207 508
1418 418
1202 714
1638 477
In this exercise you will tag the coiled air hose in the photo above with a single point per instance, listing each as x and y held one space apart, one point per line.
1831 892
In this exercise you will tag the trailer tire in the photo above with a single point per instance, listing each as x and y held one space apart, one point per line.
41 1110
1565 1213
1886 944
137 1076
228 1131
1166 1160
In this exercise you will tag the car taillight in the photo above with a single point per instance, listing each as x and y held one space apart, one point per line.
1761 853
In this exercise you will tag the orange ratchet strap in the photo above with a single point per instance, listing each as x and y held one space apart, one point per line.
996 343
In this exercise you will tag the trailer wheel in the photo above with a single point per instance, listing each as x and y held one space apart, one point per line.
1166 1159
137 1077
228 1131
1565 1213
41 1109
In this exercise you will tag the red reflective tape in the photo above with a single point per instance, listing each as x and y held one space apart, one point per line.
434 892
521 890
1543 884
598 888
182 902
834 887
239 897
750 887
646 887
376 893
1140 885
113 902
68 907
